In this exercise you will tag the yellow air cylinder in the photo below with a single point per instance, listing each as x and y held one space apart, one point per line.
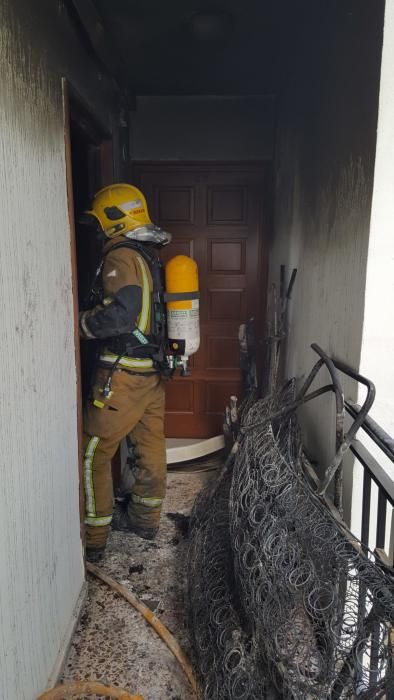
183 316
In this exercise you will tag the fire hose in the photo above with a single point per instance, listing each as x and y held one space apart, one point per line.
151 618
89 687
66 690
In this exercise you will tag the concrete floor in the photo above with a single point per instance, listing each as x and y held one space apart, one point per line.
113 643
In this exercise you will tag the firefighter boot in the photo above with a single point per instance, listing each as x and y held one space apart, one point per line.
122 522
94 554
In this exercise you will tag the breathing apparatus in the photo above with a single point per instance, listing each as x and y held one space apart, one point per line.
175 332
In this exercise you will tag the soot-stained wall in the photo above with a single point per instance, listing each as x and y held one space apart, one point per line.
324 177
41 567
203 128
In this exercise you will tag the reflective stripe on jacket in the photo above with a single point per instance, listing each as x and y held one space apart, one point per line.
127 287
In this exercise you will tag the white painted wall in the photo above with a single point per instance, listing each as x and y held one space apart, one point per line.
377 350
41 569
203 128
41 565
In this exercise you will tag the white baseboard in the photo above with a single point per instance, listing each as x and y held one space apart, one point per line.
57 670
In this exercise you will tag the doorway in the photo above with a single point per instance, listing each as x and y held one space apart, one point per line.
217 214
88 150
91 163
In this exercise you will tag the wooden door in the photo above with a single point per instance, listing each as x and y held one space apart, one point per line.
216 216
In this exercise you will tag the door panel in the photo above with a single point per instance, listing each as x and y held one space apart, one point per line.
216 216
175 205
227 205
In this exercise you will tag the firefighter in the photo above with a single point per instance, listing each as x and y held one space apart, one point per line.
127 397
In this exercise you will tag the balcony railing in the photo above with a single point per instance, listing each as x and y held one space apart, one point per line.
373 472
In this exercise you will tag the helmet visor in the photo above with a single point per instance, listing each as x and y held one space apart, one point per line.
150 233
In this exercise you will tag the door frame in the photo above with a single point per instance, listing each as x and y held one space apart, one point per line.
266 168
75 109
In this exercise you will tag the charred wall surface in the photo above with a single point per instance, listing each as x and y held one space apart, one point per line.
41 568
205 128
325 154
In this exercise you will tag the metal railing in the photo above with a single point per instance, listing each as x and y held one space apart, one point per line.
373 472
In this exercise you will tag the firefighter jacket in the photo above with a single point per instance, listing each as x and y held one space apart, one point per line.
125 309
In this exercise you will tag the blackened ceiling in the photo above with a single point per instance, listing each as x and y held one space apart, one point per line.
178 47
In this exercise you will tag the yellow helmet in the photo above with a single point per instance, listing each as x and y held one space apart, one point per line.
121 209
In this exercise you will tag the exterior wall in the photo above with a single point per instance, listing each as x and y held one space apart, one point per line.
203 128
325 158
378 333
377 349
41 566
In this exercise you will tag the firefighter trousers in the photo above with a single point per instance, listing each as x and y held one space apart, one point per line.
135 407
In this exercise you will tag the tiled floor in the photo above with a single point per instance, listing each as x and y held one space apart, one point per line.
113 643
